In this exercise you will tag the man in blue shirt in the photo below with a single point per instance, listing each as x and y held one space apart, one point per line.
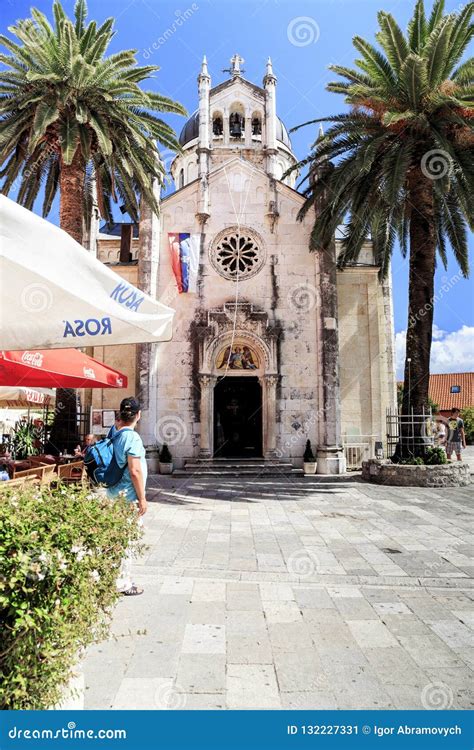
129 453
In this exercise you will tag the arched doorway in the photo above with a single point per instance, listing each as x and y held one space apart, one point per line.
238 417
237 383
238 402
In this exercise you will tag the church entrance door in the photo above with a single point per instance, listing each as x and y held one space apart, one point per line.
238 417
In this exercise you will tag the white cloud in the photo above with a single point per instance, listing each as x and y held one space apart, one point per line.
450 352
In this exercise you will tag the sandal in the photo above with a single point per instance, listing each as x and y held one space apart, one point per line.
132 591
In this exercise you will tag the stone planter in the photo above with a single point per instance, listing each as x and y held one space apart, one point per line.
378 471
309 467
152 461
165 468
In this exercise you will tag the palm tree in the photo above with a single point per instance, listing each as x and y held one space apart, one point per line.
69 111
404 162
71 116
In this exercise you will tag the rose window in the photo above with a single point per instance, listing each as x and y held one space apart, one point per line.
237 255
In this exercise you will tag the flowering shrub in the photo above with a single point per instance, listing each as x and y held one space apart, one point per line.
60 552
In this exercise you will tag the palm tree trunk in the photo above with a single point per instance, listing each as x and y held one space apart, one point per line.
71 188
64 432
420 300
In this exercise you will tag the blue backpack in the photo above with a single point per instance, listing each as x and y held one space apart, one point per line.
101 464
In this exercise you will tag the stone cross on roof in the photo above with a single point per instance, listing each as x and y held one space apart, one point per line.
236 61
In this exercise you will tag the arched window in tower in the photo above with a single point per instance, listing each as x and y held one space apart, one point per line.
181 178
217 125
256 126
237 122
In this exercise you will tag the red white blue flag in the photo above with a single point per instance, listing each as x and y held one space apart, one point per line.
184 251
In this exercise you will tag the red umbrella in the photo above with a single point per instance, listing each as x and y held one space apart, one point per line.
57 368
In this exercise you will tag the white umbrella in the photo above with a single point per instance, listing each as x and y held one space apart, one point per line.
19 397
55 294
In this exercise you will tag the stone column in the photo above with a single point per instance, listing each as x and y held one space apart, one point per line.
225 127
206 383
269 83
248 128
330 453
148 262
269 396
203 150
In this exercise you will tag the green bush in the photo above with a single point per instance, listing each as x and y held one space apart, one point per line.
60 552
413 461
468 416
435 456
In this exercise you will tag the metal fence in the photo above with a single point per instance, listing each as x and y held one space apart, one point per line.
358 448
412 432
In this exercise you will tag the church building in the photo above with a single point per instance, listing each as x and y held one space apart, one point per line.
272 345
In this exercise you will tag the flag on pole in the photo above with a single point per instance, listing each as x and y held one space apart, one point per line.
184 250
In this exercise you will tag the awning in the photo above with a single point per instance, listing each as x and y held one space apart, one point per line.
15 397
56 294
57 368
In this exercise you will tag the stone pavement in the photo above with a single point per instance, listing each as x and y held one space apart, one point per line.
294 593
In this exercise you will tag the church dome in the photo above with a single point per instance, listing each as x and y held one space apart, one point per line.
190 131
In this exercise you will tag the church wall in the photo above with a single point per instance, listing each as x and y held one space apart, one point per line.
285 288
366 369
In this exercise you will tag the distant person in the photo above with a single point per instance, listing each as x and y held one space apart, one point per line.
456 435
440 431
89 440
129 453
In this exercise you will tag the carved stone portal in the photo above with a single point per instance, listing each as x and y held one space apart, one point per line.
238 341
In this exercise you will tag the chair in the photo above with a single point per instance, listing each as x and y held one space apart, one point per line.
73 473
35 473
42 474
43 460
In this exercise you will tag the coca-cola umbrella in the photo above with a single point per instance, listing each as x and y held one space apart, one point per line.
57 368
55 294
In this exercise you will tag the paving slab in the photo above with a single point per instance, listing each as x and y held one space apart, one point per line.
263 593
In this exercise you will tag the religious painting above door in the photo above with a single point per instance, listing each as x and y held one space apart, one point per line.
238 356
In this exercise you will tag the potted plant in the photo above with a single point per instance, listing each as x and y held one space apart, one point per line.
25 439
309 461
165 460
152 453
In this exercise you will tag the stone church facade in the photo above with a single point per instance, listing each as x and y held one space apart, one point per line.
275 346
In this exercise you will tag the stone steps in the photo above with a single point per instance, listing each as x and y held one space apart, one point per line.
234 467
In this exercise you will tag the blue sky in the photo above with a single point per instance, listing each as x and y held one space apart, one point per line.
302 38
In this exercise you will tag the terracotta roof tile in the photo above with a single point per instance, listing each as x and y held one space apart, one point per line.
440 390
